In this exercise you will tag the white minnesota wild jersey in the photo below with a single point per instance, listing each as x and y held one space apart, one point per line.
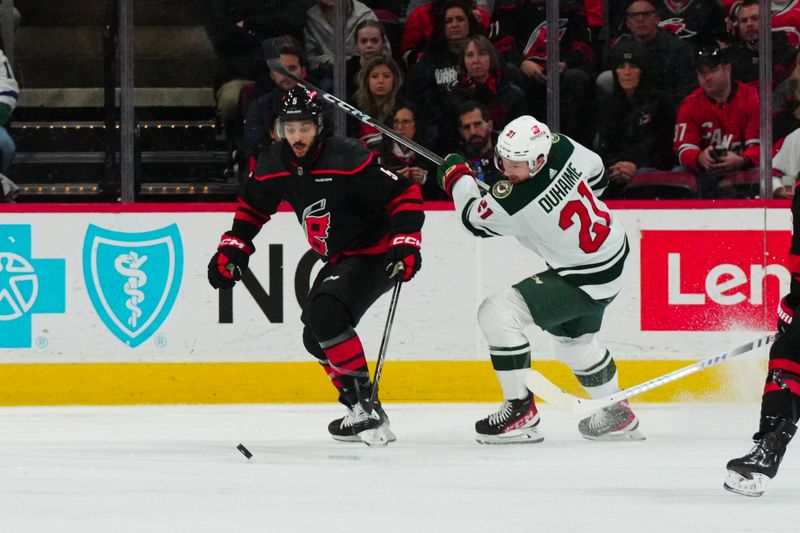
556 215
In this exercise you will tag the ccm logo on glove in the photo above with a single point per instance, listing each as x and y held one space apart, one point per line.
233 241
230 261
406 239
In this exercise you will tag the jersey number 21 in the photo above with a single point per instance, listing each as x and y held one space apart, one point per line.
594 222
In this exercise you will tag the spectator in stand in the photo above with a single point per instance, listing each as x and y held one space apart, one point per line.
486 5
786 167
636 122
478 139
9 95
261 111
405 161
420 27
319 36
670 59
393 7
371 41
485 81
717 128
743 53
430 77
785 18
786 104
237 29
377 93
526 23
701 23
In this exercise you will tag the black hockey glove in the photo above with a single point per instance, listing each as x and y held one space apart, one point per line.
404 249
226 266
785 314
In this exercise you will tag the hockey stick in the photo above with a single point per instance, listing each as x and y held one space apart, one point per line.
387 330
272 55
554 395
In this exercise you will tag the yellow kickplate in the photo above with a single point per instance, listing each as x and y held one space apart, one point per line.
402 381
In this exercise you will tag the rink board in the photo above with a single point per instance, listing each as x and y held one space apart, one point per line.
107 304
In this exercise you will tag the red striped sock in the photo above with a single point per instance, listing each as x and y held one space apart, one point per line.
346 361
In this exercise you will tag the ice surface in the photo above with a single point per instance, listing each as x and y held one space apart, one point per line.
176 468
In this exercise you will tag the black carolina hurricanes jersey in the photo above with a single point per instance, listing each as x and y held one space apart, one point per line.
346 202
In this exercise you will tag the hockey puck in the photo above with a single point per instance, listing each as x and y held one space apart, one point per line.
244 451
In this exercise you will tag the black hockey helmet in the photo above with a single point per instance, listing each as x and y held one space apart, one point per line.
300 104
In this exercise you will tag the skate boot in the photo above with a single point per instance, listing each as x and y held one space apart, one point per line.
346 429
750 474
612 423
516 422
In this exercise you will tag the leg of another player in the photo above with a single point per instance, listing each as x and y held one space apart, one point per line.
502 318
780 407
596 371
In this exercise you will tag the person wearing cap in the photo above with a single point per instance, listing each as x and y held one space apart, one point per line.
636 121
670 58
717 128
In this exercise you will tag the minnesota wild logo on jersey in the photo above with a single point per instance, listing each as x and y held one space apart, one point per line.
501 189
556 214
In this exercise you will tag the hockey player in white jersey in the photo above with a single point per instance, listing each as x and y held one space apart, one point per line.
548 203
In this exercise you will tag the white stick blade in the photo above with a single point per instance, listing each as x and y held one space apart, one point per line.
546 390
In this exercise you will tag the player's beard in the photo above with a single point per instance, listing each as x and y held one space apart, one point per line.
300 149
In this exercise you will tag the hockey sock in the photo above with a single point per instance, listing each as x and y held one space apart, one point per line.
502 318
512 364
781 398
600 379
346 359
313 347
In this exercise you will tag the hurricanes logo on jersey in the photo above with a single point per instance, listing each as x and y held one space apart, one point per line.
316 223
677 27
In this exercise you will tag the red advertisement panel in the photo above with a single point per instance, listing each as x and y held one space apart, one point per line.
712 280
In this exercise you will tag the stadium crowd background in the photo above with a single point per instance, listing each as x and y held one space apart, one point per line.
666 91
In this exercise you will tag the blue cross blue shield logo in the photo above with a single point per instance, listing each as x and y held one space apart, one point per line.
28 285
133 278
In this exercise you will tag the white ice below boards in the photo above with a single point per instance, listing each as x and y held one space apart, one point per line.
176 468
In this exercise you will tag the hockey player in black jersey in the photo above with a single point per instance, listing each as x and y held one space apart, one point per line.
359 217
780 404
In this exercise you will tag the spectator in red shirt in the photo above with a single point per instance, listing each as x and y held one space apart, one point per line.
717 128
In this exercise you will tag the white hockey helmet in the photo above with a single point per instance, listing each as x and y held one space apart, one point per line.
523 139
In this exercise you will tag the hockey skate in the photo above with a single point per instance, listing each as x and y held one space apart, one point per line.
358 426
750 474
613 423
516 422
